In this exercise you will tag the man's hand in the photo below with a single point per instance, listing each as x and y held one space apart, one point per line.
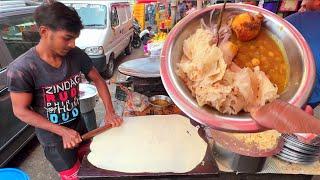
286 118
307 137
70 138
113 119
21 107
308 109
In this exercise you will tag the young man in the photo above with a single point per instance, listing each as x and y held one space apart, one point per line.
145 35
44 87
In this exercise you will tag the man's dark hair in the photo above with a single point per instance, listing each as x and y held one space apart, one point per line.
58 16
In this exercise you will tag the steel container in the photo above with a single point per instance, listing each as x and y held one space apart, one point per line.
88 94
298 53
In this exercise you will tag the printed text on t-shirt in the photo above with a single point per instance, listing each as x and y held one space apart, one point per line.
62 100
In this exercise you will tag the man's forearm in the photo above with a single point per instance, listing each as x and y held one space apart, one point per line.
105 96
34 119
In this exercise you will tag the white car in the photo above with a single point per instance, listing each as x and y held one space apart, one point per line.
108 31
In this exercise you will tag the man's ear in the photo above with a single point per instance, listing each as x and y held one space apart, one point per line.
43 31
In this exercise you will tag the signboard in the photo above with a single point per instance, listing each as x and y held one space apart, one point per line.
139 13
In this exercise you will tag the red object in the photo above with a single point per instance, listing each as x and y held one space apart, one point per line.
83 150
251 3
286 118
309 110
70 174
162 25
146 1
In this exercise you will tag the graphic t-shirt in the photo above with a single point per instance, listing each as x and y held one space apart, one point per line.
55 90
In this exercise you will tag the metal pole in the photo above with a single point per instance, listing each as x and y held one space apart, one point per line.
199 4
173 12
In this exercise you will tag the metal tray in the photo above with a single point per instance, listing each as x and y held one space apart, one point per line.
142 67
293 160
295 142
297 154
292 147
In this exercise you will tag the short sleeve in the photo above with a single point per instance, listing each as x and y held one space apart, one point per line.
19 79
295 20
85 62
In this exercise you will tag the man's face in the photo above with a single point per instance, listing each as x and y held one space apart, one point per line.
310 5
189 4
59 41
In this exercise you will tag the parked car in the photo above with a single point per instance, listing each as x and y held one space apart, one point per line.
6 4
18 33
107 33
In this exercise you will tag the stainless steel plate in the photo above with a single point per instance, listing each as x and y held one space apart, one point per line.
142 67
290 146
297 154
292 139
300 59
293 160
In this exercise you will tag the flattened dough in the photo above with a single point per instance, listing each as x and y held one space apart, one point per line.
154 144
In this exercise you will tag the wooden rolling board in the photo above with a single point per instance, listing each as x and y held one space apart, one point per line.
207 167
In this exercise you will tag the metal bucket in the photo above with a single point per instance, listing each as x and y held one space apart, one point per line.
88 94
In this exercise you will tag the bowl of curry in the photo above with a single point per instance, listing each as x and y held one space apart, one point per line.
160 101
279 50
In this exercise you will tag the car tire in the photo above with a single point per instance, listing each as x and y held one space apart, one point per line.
136 43
110 68
128 49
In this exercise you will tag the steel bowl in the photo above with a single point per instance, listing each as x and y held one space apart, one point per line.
299 56
88 94
160 97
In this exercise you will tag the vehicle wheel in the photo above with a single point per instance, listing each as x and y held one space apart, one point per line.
136 43
110 68
128 49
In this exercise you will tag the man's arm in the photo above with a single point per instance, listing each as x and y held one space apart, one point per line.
104 93
21 109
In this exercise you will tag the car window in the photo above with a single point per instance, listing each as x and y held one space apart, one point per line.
128 12
114 17
19 33
122 14
92 15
